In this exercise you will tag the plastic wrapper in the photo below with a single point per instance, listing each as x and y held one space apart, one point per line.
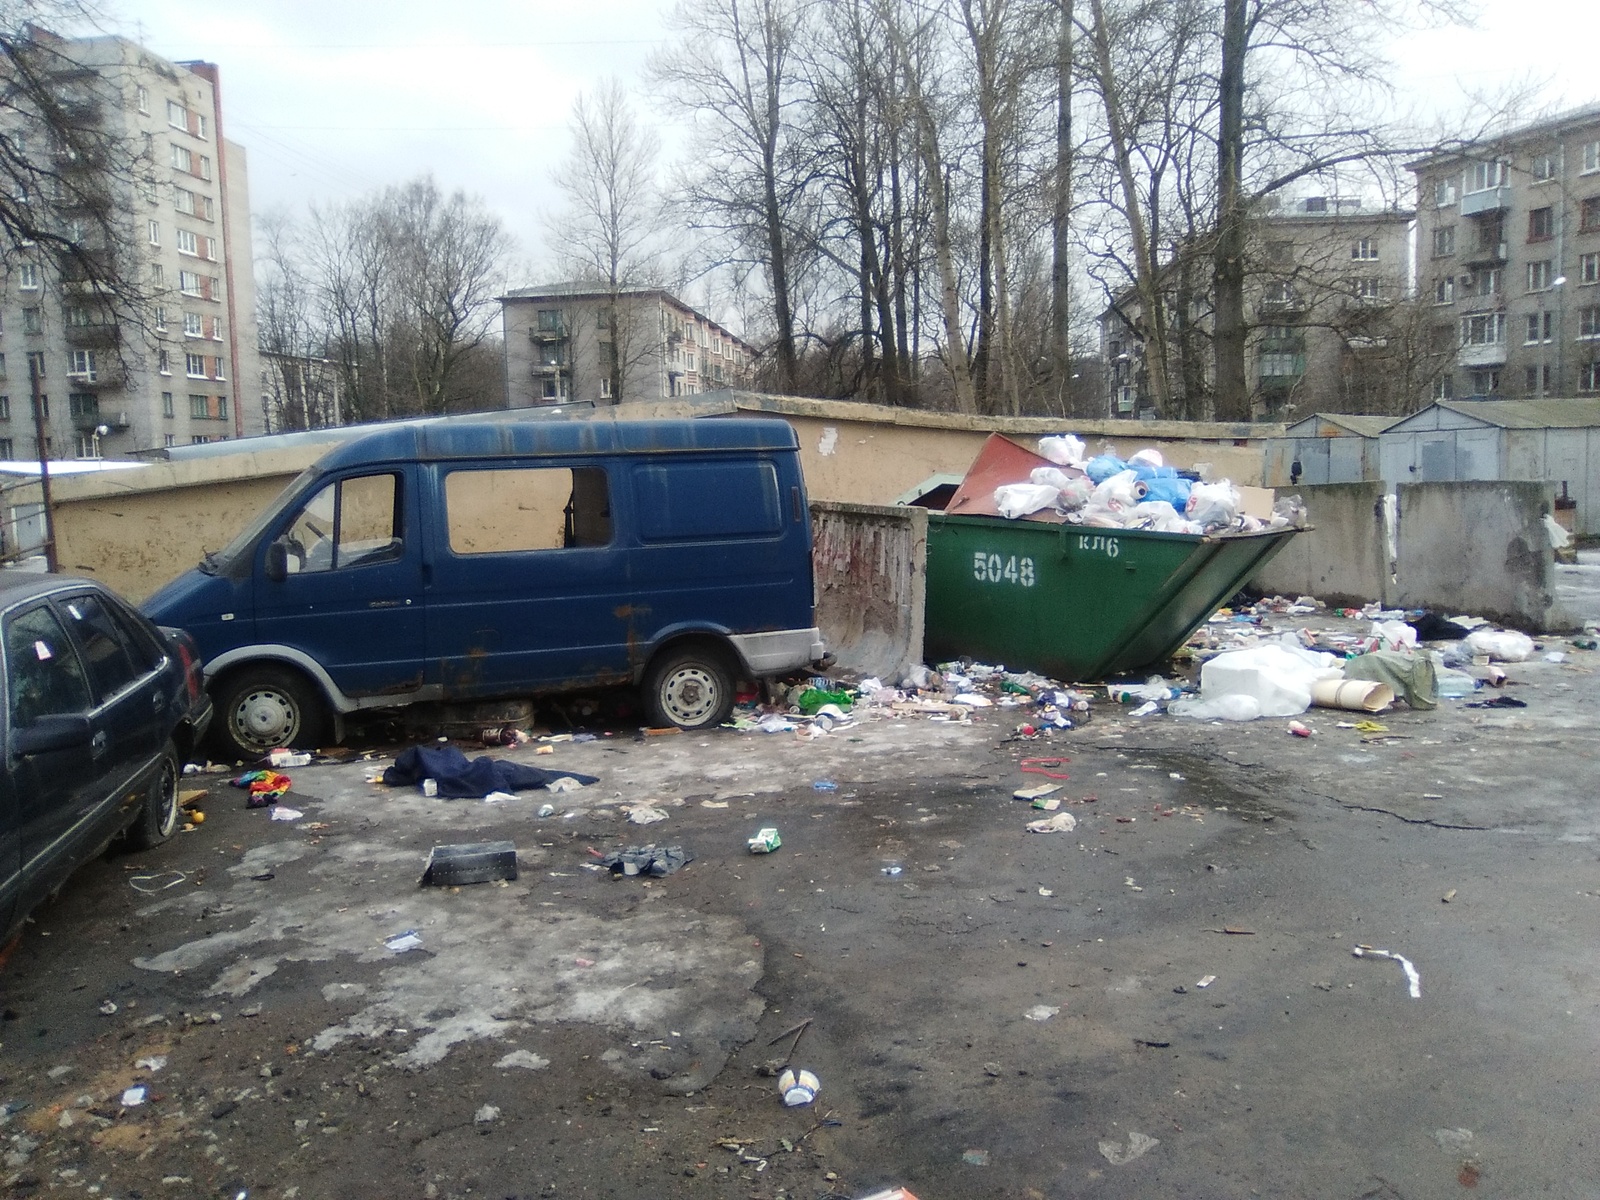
1506 645
1118 492
1103 467
1149 456
1213 505
1160 517
1019 499
1394 635
1064 451
1051 477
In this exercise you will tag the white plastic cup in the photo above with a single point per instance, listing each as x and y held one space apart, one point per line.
798 1088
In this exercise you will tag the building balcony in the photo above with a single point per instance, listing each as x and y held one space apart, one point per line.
1493 302
547 335
1489 200
1494 252
541 370
1491 354
93 336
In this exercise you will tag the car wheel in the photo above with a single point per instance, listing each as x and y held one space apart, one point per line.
262 708
159 816
691 688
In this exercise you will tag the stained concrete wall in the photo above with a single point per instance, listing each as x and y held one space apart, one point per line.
1478 548
870 563
1343 559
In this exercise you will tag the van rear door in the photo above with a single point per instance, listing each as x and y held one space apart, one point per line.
528 585
352 595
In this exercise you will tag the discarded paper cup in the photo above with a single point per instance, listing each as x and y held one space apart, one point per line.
798 1088
430 787
1353 695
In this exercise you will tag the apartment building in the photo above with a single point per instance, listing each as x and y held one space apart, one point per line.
1324 285
570 341
1508 252
114 387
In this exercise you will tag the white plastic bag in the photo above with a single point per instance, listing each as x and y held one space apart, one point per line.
1277 677
1161 517
1050 477
1118 493
1219 708
1064 451
1019 499
1213 505
1150 457
1506 645
1559 538
1394 635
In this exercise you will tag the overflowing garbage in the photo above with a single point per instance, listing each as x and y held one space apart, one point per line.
1108 492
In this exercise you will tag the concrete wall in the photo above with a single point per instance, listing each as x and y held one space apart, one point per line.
1478 548
1344 558
870 563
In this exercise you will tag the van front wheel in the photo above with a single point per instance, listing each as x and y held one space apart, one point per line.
261 708
691 688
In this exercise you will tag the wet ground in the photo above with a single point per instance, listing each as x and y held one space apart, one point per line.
568 1034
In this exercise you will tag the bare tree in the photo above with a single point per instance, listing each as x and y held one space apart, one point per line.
610 232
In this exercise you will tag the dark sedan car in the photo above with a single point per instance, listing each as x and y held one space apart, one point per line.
102 709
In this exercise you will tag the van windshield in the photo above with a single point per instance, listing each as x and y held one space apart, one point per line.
218 562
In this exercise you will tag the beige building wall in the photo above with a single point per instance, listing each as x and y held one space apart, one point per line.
138 529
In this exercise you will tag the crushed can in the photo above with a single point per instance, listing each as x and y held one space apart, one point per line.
765 841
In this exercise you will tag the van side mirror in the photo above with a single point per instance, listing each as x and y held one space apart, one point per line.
65 731
277 565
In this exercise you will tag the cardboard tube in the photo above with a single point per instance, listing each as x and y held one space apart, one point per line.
1355 695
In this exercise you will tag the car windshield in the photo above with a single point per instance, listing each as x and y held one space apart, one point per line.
216 562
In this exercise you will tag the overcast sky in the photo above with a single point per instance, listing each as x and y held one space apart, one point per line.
333 98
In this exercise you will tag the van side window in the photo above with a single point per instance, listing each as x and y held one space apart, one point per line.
506 510
351 523
686 501
43 675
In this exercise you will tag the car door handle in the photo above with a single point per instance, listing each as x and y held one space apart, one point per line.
98 743
158 701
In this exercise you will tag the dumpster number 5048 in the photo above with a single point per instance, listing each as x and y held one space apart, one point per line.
992 568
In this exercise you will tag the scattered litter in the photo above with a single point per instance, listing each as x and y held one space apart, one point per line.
894 1193
1037 792
1453 1141
455 777
1370 727
1047 803
525 1059
399 943
284 757
644 814
157 883
975 1158
1412 976
263 787
825 785
547 810
765 841
470 862
1205 981
1501 646
653 860
134 1096
1042 1012
153 1063
1119 1155
108 1008
891 870
1044 891
1062 822
498 798
798 1088
1500 702
1555 656
282 812
1299 730
773 723
487 1115
1448 896
565 783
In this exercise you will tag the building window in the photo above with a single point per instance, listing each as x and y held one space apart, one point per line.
5 408
1485 175
161 317
1589 214
1591 157
1365 289
158 275
218 372
216 329
1444 291
1444 193
554 388
142 99
83 366
1536 380
1588 324
1543 168
169 439
84 404
1589 377
183 200
1541 327
550 320
1444 241
33 320
208 208
1278 294
28 276
192 325
205 167
177 116
1277 365
222 406
163 362
1444 387
1539 275
189 283
199 407
187 243
1365 249
200 126
155 233
1542 224
550 354
36 366
605 387
182 160
166 404
199 439
1486 329
42 406
1485 383
208 248
1589 268
194 366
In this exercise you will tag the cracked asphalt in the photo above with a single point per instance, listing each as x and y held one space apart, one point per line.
568 1034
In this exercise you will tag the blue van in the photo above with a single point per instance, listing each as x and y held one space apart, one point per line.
435 561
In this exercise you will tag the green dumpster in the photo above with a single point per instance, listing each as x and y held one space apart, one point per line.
1073 602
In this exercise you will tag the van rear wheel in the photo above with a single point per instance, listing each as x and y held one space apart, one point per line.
262 708
690 688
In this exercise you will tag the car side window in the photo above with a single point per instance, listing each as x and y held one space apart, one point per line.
144 643
104 645
350 523
43 674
